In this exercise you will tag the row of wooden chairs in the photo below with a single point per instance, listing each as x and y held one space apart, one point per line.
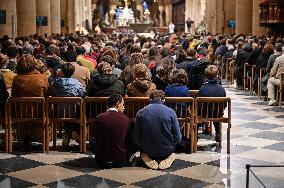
248 81
48 112
262 71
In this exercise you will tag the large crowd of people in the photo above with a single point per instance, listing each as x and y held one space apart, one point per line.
119 65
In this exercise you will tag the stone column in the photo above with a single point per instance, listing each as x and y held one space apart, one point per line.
43 9
55 21
187 12
169 12
220 16
89 14
63 15
26 17
230 14
211 16
77 16
70 16
244 16
161 10
9 28
257 29
140 8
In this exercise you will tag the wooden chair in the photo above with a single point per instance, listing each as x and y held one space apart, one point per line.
64 109
210 109
279 91
245 80
227 68
25 109
261 75
184 108
193 93
251 79
133 104
4 122
92 107
232 71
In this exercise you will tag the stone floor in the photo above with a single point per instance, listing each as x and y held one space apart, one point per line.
257 139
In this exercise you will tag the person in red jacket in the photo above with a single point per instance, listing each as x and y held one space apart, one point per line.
110 135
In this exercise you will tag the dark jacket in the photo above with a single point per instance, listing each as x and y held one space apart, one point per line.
211 88
254 55
104 85
221 50
262 61
156 130
160 83
3 91
242 57
111 137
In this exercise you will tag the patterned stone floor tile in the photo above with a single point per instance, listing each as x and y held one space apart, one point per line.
17 163
253 142
200 157
53 157
261 126
278 147
169 181
212 175
123 174
44 174
85 181
264 155
269 135
83 164
10 182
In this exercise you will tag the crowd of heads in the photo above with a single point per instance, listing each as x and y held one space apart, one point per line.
138 57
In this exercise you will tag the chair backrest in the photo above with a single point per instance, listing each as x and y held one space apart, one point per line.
212 109
133 105
184 108
3 112
93 106
193 93
64 109
26 109
281 88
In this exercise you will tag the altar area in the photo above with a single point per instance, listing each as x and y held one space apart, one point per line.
125 19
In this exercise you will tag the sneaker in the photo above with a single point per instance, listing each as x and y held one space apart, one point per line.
272 103
149 162
167 163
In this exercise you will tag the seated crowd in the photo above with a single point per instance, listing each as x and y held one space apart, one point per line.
116 66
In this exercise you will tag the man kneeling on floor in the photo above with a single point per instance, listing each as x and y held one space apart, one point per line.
111 130
156 132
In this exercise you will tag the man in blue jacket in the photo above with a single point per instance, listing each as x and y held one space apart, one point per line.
156 132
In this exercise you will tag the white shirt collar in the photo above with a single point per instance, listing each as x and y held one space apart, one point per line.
112 109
